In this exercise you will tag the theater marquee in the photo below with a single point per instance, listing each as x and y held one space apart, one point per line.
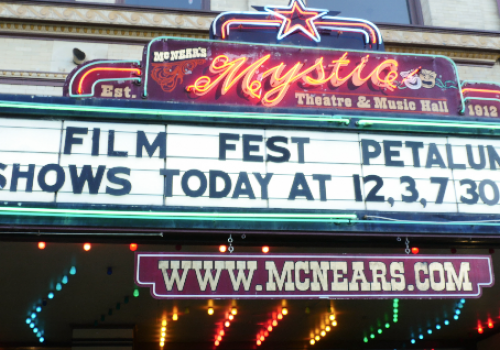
298 276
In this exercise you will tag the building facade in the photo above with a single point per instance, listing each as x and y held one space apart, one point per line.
72 248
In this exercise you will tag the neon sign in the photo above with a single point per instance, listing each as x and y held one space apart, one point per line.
294 22
226 74
285 73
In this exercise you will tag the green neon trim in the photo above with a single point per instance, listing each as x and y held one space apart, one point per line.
162 112
289 46
120 214
439 123
101 81
476 98
92 64
438 223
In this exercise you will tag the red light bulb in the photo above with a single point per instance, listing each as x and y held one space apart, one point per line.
221 332
275 323
222 248
41 245
87 247
270 328
133 247
479 327
265 249
415 250
490 323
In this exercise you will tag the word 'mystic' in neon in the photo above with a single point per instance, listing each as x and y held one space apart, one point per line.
228 74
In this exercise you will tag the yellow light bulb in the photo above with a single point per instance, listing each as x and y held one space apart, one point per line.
284 311
163 334
175 317
162 340
164 323
231 317
162 344
312 341
328 328
210 311
334 323
234 310
332 317
317 337
163 329
323 333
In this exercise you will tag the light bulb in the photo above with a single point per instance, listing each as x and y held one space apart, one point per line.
234 310
284 311
58 286
175 317
136 293
259 342
51 295
65 280
280 316
41 245
222 248
227 324
222 332
270 328
164 323
317 337
312 341
210 311
87 247
328 329
323 333
219 338
133 247
163 329
265 249
217 343
262 338
72 271
334 323
41 339
275 323
332 317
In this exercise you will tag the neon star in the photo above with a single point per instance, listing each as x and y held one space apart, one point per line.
296 17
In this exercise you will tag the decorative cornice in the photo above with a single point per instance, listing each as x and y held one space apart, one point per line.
77 31
105 16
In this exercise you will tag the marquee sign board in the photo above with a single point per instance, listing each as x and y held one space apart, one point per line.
212 167
342 276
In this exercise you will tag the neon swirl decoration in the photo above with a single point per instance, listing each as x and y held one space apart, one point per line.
295 18
228 74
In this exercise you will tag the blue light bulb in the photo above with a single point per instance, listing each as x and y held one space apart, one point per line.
39 334
33 315
420 336
38 308
429 331
457 311
32 325
72 271
35 330
65 280
58 286
446 322
51 295
460 306
41 339
455 317
462 301
28 320
413 341
438 326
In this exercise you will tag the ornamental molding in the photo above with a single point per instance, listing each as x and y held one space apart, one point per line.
84 21
68 13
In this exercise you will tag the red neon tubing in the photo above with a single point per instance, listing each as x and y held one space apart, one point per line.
243 21
106 69
481 90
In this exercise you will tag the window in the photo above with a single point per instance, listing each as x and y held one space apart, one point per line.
380 11
197 5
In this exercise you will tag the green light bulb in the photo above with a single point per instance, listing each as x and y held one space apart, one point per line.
136 293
